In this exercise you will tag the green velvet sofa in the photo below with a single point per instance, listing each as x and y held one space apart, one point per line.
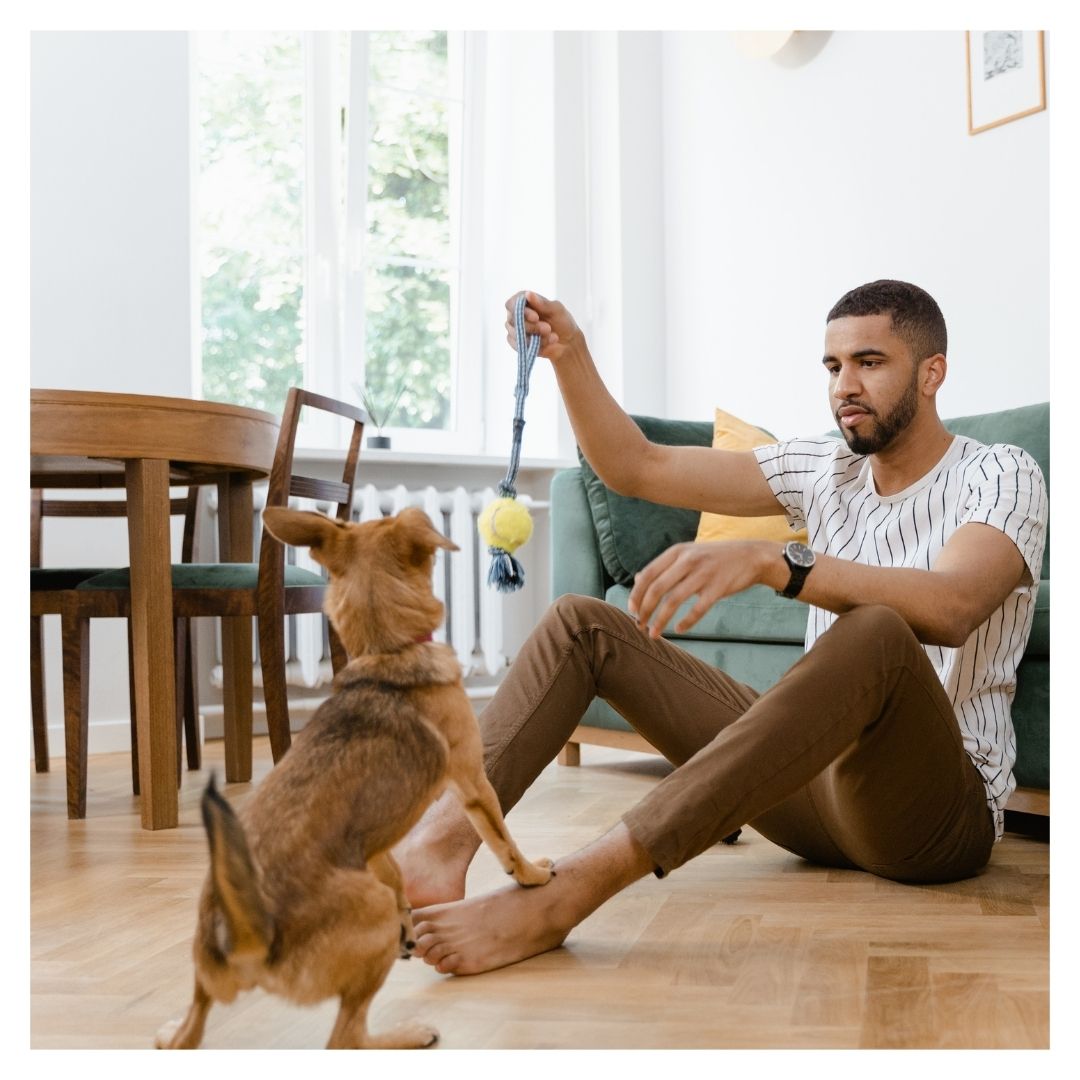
600 540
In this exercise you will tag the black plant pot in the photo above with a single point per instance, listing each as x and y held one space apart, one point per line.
378 442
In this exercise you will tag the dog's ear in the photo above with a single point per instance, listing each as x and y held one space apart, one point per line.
419 536
301 528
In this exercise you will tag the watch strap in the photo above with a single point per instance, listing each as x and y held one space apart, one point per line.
797 578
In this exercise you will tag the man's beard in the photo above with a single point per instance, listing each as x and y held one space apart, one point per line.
887 427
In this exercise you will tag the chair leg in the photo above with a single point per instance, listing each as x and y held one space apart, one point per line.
179 667
37 697
237 662
275 694
191 711
75 634
131 713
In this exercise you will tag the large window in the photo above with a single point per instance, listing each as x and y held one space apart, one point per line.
332 167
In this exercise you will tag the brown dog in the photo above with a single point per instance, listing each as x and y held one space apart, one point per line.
303 897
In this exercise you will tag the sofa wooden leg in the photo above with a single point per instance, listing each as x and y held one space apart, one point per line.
570 754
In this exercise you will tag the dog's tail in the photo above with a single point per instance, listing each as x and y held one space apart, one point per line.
248 928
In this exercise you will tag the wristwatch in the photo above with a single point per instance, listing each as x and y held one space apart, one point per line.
801 561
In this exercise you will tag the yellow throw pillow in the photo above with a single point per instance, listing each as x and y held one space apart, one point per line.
731 433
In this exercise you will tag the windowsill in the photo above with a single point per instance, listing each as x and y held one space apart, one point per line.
407 457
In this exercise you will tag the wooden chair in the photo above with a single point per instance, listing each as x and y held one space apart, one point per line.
269 589
52 592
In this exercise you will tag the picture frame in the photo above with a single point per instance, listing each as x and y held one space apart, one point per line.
1006 76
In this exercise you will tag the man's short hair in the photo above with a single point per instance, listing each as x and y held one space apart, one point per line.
916 318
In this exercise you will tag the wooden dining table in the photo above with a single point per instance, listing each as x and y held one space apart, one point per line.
145 444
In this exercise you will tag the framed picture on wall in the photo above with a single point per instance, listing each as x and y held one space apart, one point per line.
1005 77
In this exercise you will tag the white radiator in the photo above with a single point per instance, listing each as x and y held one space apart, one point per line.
473 626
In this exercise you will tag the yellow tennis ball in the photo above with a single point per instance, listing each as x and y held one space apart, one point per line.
505 524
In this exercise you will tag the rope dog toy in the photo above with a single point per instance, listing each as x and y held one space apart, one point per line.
505 524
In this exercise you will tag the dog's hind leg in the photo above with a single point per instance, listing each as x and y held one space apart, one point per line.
386 869
351 1033
186 1034
357 946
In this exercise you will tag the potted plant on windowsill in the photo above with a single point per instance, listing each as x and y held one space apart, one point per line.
380 407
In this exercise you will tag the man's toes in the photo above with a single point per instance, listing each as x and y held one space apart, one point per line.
424 941
435 953
449 964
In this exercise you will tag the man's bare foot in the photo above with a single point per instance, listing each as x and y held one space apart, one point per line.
436 854
491 931
512 923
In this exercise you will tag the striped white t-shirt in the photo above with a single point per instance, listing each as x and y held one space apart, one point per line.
826 488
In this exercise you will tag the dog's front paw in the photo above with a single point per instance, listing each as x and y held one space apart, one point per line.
534 873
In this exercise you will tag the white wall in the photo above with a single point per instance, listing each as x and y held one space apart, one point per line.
110 212
844 159
111 277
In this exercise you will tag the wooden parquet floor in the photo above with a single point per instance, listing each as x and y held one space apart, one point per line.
747 946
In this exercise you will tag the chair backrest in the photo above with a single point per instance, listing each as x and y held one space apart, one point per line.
42 507
284 482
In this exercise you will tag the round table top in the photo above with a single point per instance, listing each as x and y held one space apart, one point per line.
81 438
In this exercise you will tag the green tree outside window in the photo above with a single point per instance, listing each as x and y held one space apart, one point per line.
251 111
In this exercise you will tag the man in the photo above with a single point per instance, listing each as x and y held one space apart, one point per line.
888 747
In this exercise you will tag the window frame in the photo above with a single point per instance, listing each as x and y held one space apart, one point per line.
335 240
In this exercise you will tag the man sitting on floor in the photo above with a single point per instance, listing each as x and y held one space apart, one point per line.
887 748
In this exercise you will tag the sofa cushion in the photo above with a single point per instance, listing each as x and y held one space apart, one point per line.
757 614
731 433
1031 719
632 532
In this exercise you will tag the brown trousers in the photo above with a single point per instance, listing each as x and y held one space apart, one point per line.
853 759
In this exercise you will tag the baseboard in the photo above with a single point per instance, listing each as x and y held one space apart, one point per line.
301 710
114 736
102 737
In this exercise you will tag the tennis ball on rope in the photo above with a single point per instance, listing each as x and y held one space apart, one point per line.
505 525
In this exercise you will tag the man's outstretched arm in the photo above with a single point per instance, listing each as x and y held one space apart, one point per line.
695 477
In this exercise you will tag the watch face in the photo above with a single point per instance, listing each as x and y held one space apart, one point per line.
799 554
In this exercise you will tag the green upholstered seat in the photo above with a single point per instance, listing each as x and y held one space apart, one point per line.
208 576
756 614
